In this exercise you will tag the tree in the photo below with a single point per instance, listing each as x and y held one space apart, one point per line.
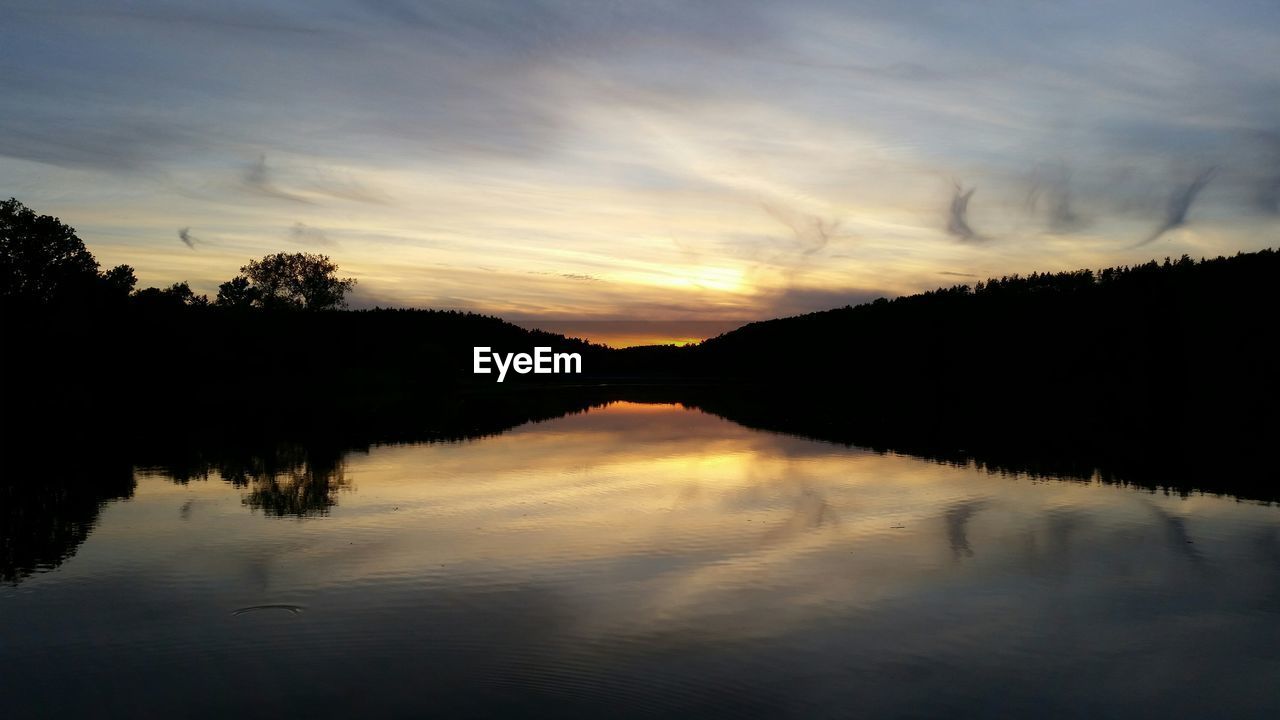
237 293
176 295
288 281
118 282
41 260
44 262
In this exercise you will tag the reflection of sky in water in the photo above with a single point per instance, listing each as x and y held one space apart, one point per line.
668 561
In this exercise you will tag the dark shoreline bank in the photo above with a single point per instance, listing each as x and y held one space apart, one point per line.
1059 446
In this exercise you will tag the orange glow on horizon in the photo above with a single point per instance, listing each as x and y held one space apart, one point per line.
636 333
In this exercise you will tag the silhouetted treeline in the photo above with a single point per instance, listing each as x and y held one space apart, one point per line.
106 364
1161 361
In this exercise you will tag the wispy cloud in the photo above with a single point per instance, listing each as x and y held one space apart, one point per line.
303 234
1175 214
812 233
1050 193
958 215
259 178
636 142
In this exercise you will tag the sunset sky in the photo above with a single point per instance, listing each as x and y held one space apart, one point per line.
712 161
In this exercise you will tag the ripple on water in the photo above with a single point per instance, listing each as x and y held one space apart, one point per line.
293 609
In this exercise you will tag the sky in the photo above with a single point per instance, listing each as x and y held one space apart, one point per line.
716 161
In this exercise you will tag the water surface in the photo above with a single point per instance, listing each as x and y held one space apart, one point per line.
639 560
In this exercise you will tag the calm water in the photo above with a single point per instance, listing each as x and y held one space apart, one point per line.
645 560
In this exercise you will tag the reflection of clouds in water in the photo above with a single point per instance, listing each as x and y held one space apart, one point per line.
811 512
1176 534
571 565
1051 548
957 520
731 506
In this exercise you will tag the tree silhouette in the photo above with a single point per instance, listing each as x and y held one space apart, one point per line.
119 281
237 293
176 295
287 281
43 261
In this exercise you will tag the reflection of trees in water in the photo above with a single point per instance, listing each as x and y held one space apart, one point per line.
293 483
46 512
283 480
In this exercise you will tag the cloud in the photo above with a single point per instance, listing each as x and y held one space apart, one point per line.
259 178
1175 215
566 275
958 216
800 300
184 234
118 145
555 134
344 188
1050 192
812 233
1267 195
304 234
1265 175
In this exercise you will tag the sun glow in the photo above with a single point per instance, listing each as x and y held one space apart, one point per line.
719 279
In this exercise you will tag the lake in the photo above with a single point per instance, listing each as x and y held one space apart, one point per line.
632 560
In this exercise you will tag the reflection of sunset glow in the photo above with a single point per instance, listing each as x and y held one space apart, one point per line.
646 480
627 407
593 549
